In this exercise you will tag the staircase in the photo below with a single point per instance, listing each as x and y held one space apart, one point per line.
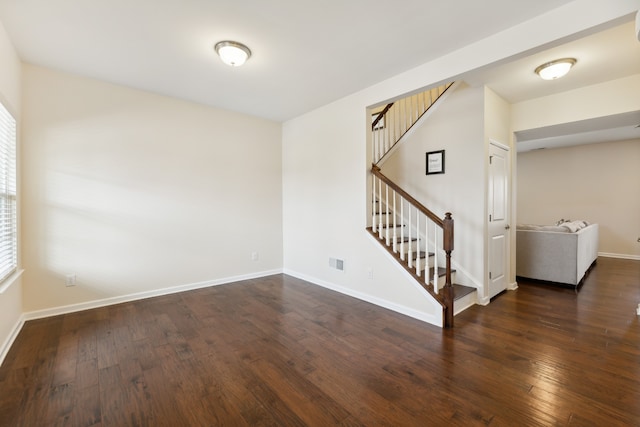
419 240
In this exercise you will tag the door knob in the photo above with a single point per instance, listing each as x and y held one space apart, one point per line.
507 227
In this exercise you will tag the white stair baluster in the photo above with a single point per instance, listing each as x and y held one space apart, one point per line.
426 250
417 243
381 144
374 144
410 252
402 255
395 224
380 209
373 203
386 211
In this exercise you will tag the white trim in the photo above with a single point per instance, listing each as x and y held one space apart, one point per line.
499 145
6 345
416 314
482 300
513 286
143 295
13 278
619 256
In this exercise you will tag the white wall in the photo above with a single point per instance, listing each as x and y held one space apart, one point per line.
11 295
456 126
599 183
136 193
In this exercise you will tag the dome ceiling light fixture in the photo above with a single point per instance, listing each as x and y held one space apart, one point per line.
232 53
555 69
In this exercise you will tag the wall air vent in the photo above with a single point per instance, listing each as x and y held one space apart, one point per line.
338 264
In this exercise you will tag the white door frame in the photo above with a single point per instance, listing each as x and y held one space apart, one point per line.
508 216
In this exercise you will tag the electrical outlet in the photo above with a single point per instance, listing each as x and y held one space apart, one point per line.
255 256
370 272
70 280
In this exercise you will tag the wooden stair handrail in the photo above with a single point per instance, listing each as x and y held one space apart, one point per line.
381 115
433 217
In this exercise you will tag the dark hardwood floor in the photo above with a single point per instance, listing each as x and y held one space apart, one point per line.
279 351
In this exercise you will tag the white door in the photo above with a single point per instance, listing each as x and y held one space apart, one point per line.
498 217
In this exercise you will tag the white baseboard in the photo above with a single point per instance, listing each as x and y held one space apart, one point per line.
484 301
416 314
6 345
55 311
619 256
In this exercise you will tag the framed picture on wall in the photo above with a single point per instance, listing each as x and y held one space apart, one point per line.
435 162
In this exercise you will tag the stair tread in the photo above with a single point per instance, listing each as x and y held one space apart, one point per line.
385 226
460 291
423 254
405 239
441 271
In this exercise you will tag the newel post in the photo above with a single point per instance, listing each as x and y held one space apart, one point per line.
447 244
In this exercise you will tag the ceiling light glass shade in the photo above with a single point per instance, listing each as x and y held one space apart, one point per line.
232 53
555 69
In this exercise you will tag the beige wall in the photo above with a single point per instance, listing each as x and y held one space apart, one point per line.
10 291
599 183
135 192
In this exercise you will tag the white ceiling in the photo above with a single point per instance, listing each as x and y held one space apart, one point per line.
305 53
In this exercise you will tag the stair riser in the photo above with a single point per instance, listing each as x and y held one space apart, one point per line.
399 246
441 279
465 302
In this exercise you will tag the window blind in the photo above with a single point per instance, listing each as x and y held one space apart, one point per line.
8 219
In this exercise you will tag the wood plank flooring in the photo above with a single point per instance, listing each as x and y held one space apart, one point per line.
282 352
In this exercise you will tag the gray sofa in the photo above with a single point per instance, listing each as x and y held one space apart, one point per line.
556 253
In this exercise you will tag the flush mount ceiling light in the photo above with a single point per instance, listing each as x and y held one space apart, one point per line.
232 53
555 69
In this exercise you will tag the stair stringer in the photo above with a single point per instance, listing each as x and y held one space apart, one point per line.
435 320
419 122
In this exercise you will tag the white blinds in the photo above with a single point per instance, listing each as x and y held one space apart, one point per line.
8 235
